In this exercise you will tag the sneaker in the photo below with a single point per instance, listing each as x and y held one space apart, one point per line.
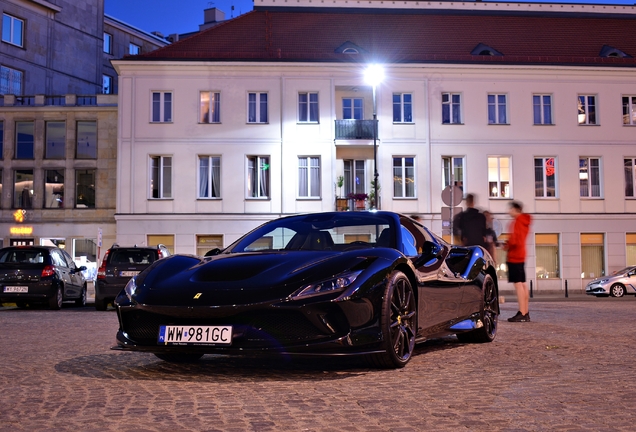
520 317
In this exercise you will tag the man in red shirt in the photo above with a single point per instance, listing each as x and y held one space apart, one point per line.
516 247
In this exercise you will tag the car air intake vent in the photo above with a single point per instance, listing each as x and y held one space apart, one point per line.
229 269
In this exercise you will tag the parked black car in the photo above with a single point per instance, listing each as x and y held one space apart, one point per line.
119 265
40 274
363 283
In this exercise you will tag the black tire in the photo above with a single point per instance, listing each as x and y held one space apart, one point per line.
180 358
81 301
55 302
489 315
617 290
398 323
21 304
101 304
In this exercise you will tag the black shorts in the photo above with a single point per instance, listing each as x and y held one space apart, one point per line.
516 272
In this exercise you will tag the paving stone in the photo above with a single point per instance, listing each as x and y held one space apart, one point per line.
570 369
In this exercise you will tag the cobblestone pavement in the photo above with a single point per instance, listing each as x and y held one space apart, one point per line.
573 368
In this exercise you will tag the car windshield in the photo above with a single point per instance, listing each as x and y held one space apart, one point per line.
132 256
325 232
623 271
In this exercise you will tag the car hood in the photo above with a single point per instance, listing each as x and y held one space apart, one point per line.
238 279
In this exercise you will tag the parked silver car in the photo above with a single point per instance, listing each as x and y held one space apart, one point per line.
616 285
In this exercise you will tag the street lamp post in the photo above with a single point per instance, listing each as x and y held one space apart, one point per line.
374 74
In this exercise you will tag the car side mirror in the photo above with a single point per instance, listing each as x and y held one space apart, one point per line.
213 252
431 250
81 269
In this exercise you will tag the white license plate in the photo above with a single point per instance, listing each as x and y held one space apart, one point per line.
186 335
16 289
128 273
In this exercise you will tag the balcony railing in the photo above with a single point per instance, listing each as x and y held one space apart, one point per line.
354 129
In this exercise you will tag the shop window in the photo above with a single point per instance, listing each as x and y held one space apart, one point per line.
87 140
85 188
592 255
54 188
631 249
23 189
55 140
501 256
24 140
165 239
206 243
547 256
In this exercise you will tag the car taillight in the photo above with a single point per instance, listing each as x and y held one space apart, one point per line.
159 253
48 271
101 271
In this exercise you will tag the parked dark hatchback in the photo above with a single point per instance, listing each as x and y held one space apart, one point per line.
119 265
40 274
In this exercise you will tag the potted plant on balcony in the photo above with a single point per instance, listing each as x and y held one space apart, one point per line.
359 199
341 202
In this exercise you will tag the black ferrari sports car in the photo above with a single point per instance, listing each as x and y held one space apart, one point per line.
365 283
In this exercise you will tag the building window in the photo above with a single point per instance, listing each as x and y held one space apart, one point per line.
630 242
164 239
85 188
497 109
257 108
24 140
630 177
352 108
1 189
547 256
451 108
12 30
502 257
308 107
355 177
108 43
161 177
309 177
402 108
258 176
592 255
54 188
210 105
206 243
590 177
107 84
134 49
161 107
1 141
545 177
86 140
55 140
454 165
23 189
629 110
404 177
587 110
10 81
542 109
499 175
209 177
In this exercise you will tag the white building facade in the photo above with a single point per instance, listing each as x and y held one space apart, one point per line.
211 147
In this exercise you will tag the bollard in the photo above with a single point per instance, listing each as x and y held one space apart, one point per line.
566 288
530 288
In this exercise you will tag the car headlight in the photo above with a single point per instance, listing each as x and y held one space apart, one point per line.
603 281
334 284
131 287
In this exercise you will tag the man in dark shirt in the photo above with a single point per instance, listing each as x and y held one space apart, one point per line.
470 225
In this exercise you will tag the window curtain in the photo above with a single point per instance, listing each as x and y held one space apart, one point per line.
398 177
303 178
251 109
263 108
264 177
167 177
302 107
547 261
409 177
592 261
314 174
167 107
629 177
215 102
313 107
251 177
203 177
216 177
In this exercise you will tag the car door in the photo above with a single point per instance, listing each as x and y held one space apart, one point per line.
63 271
439 288
76 276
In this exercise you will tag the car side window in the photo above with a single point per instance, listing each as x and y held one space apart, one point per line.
58 259
69 260
409 245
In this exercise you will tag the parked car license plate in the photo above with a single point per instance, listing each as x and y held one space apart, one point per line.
16 289
128 273
185 335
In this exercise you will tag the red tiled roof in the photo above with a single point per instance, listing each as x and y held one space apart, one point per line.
292 36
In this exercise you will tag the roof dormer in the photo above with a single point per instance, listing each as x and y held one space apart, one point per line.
350 48
485 50
609 51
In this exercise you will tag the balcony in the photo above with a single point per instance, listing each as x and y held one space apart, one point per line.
354 129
